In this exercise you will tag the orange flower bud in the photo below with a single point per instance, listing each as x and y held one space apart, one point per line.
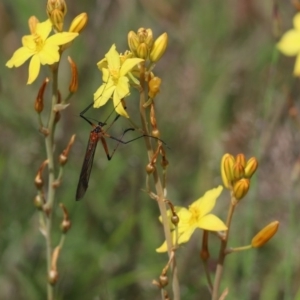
159 47
53 274
74 80
240 158
38 181
265 235
241 188
163 281
63 158
227 169
133 41
66 223
238 171
39 101
32 22
79 23
154 87
150 168
251 167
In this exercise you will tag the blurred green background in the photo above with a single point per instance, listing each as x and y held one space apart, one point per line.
225 89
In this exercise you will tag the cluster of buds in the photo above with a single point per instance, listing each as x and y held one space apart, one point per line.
56 11
143 45
236 173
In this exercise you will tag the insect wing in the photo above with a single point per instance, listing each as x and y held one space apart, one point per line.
87 164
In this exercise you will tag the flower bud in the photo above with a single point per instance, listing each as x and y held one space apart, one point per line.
133 41
159 47
227 169
241 159
175 219
238 171
154 87
149 39
38 181
79 23
142 34
39 101
39 201
265 235
150 168
32 22
53 277
241 188
56 11
142 51
251 167
74 80
163 281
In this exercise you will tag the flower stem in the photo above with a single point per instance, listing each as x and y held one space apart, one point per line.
158 186
51 179
222 252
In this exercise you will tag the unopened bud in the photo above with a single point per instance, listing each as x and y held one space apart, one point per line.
241 159
32 22
251 167
38 181
227 169
159 47
56 11
154 87
74 80
149 39
53 277
155 133
142 51
238 171
150 168
241 188
39 201
133 41
79 23
142 34
66 223
175 219
265 235
39 101
163 280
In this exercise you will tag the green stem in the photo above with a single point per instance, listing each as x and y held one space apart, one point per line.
158 186
51 179
222 253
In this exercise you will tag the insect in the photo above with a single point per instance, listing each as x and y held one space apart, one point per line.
97 134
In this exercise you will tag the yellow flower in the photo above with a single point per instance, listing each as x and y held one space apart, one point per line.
40 48
196 216
289 43
115 80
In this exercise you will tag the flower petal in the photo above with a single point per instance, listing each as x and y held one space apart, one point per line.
19 57
121 91
129 64
162 248
34 69
103 94
186 235
212 223
206 203
113 58
296 21
102 64
61 38
289 43
43 29
49 54
297 66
